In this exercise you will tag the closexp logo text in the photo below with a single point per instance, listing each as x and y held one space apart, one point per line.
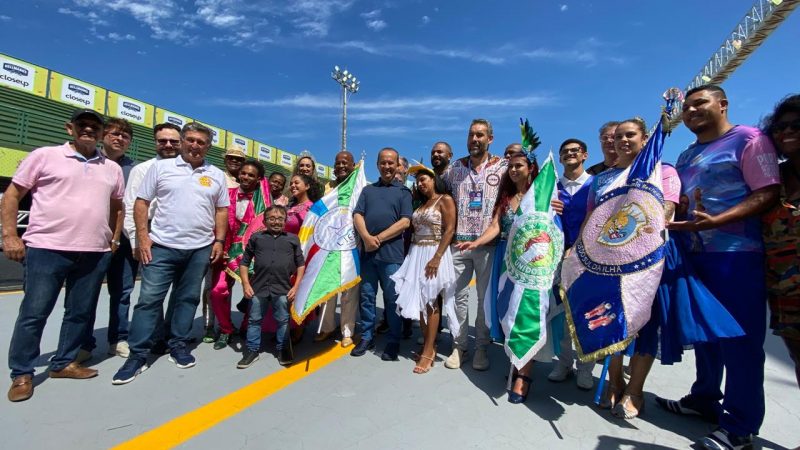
16 76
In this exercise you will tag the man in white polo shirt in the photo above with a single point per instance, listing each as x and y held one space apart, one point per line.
187 232
75 189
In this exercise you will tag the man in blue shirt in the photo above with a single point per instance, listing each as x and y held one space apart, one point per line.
382 212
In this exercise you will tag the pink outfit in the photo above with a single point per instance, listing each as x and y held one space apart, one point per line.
295 216
71 198
670 184
759 163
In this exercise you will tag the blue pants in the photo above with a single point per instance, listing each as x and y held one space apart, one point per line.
46 272
280 312
372 273
737 280
120 278
184 270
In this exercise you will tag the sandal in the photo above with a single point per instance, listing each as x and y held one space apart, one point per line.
626 409
611 396
420 370
515 398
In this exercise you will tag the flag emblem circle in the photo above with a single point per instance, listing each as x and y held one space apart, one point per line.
534 251
334 230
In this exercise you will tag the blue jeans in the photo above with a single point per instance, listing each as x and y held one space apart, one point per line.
280 312
372 273
184 270
121 276
46 272
741 358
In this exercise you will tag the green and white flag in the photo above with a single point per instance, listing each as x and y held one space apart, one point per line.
535 247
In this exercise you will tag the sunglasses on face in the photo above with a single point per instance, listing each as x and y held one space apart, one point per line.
794 125
173 142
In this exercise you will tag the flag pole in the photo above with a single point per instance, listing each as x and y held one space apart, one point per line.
602 382
322 317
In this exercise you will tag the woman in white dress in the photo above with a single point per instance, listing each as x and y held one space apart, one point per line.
428 269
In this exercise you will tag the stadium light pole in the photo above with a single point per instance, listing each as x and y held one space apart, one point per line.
350 86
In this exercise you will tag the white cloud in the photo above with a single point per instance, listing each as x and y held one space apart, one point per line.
376 25
219 13
374 14
590 51
425 20
4 18
563 8
397 105
116 37
313 17
404 50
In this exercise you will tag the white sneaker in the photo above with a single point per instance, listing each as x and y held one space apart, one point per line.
455 359
481 360
584 380
120 349
559 373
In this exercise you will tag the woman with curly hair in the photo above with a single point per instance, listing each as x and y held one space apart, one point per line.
781 229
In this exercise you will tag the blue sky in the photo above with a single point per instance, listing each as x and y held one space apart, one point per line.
261 68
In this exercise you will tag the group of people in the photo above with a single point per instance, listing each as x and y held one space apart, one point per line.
181 220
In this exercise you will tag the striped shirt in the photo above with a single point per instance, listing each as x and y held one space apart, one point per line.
475 193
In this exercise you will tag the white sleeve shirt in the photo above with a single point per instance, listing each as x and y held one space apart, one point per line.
573 186
131 189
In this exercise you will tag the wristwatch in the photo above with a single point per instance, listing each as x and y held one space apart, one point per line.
115 243
221 241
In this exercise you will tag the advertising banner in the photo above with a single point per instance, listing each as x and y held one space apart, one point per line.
9 161
234 140
24 76
76 92
218 137
286 159
265 152
322 171
163 116
130 109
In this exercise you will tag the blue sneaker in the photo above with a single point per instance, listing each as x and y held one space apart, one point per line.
132 367
182 358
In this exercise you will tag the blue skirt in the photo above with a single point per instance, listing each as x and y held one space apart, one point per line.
684 311
496 309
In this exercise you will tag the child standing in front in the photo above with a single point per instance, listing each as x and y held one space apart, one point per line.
278 256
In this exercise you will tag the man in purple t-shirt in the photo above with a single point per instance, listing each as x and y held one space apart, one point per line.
75 189
729 177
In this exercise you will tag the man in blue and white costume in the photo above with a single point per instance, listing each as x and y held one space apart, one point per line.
573 190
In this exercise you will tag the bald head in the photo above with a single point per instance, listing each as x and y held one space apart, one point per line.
343 165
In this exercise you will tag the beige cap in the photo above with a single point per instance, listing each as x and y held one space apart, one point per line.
236 151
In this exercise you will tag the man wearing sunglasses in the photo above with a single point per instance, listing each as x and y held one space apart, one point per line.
234 158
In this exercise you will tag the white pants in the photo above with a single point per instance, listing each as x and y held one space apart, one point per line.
479 262
347 318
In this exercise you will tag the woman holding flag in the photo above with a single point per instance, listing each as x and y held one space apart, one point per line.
522 169
245 216
428 269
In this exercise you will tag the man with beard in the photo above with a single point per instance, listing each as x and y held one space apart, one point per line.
382 213
474 182
343 166
122 268
188 230
167 137
729 177
441 154
75 190
607 146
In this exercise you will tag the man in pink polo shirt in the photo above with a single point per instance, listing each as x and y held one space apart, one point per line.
75 189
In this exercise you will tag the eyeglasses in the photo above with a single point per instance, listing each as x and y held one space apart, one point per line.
173 142
120 134
234 158
565 151
275 219
781 126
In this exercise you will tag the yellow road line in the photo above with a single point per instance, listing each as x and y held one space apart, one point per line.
10 292
189 425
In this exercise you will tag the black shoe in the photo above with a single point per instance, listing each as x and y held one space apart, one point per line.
721 439
383 327
242 306
363 346
407 328
515 398
286 356
160 348
248 358
390 352
222 341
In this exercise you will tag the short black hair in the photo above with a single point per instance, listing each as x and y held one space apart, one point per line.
257 164
169 125
580 143
713 88
789 104
280 174
274 207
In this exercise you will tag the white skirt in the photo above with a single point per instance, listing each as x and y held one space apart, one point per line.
415 292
